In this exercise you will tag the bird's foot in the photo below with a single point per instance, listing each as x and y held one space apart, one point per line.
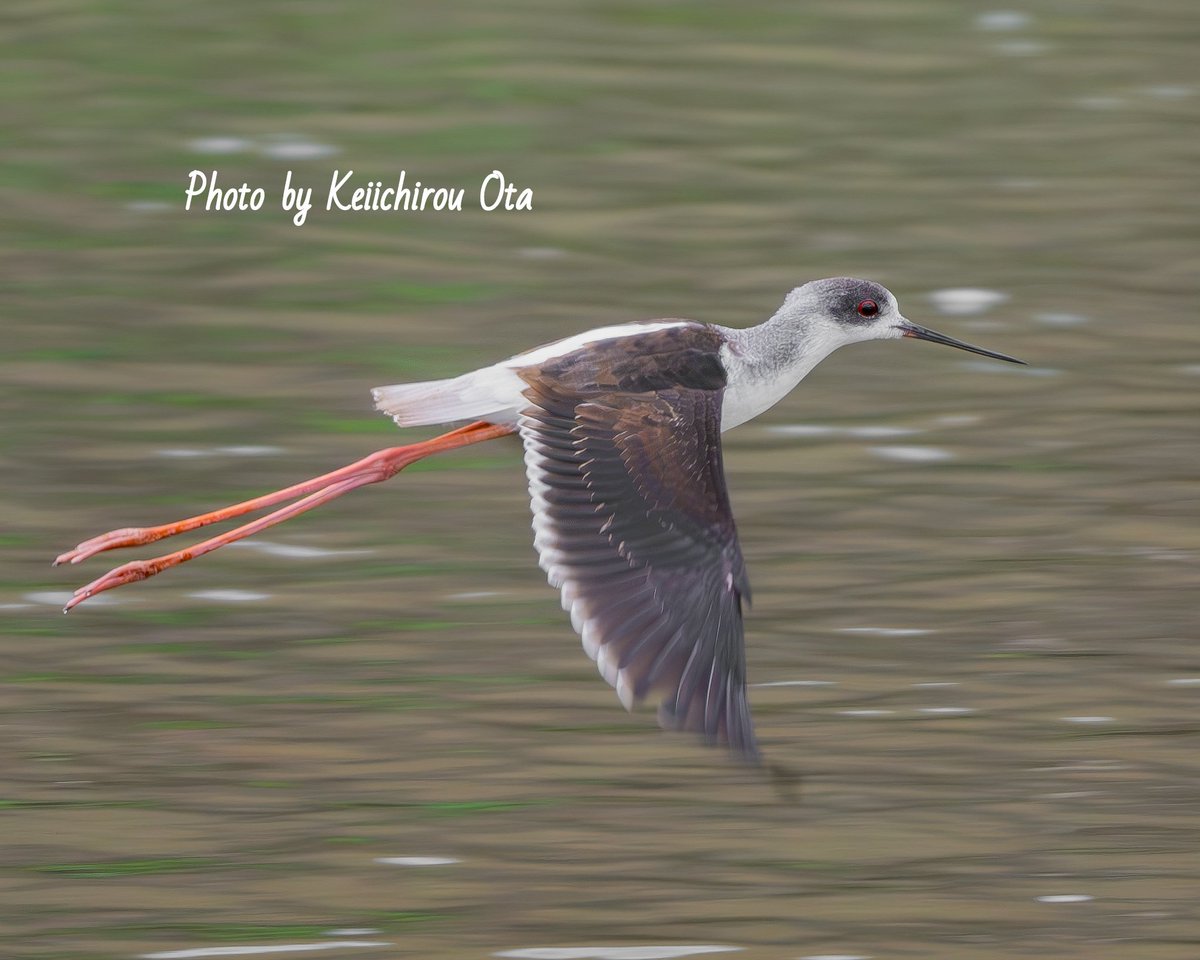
113 540
117 577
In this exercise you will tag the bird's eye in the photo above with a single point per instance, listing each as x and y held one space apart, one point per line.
868 308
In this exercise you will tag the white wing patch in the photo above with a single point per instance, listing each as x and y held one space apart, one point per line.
561 348
494 393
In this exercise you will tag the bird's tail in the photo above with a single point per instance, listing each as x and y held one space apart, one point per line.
488 394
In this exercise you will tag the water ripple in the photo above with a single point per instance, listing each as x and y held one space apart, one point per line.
796 683
964 301
997 20
613 953
218 145
913 454
229 596
294 551
246 951
887 631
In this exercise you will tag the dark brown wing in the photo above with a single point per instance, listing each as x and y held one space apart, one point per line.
633 524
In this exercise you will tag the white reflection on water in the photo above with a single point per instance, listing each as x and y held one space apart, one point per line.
229 596
981 366
1160 553
237 450
865 432
1053 319
1065 898
1003 20
250 450
56 598
1084 766
887 631
259 950
614 953
913 454
964 301
1169 92
417 861
835 956
293 551
218 145
871 433
796 683
283 147
1087 719
296 148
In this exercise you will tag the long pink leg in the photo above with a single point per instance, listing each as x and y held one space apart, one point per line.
136 536
374 468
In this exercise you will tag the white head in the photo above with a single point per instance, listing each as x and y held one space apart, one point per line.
841 310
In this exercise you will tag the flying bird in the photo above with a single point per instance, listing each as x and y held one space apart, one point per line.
621 428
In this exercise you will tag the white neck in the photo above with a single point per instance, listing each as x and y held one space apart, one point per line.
765 363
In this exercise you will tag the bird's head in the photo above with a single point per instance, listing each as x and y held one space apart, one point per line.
842 310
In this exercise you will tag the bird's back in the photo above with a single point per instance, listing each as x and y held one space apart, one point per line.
629 358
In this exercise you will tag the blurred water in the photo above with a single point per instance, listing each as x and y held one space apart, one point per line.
222 758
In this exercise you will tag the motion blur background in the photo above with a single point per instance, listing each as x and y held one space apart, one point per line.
974 583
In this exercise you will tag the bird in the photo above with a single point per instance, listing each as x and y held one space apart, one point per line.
621 428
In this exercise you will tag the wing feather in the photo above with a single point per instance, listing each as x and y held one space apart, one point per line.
632 522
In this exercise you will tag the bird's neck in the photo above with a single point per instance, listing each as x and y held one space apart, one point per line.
765 363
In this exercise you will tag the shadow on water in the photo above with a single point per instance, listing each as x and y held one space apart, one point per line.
373 733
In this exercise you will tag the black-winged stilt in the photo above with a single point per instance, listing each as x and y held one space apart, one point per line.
622 433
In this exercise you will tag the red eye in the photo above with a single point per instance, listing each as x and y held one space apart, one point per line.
868 308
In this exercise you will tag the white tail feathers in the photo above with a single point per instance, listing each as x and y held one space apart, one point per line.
493 393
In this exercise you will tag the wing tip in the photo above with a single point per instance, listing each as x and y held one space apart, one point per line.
737 737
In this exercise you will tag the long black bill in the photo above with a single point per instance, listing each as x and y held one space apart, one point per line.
910 329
